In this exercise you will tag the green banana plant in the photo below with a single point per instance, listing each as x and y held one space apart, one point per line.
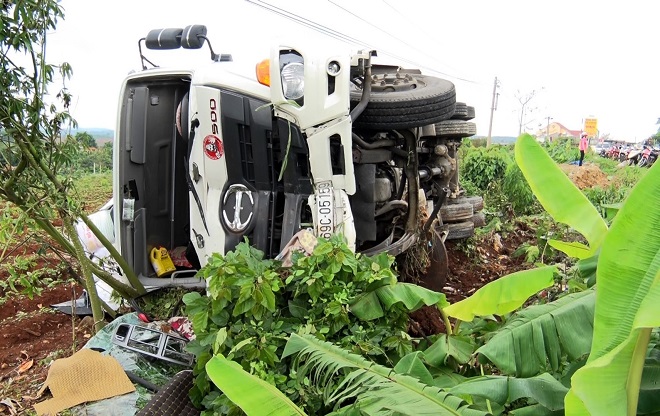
544 389
627 307
503 295
373 304
560 198
253 395
371 388
542 334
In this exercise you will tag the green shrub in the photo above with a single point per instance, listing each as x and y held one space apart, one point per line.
479 142
519 195
629 176
483 166
563 150
254 305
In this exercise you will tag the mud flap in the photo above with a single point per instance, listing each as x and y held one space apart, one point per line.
435 275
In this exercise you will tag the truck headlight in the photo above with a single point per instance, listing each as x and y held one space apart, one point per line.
293 80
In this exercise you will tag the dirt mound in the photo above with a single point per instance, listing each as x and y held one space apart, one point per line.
588 175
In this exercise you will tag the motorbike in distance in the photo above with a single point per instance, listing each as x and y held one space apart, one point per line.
648 157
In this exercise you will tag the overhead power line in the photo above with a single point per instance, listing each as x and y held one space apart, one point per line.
346 38
420 28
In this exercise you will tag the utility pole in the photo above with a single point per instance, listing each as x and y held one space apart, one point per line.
493 107
547 129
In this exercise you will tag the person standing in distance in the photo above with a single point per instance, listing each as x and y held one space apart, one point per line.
584 142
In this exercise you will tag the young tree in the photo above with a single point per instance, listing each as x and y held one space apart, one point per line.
86 140
33 153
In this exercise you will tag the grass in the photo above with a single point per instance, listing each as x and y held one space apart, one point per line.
22 270
95 189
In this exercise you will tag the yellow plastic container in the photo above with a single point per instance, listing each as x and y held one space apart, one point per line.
161 261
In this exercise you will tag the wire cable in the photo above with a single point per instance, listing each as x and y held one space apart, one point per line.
346 38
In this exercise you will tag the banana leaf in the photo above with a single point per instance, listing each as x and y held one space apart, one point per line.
544 389
535 410
587 269
542 334
559 196
649 393
627 300
253 395
412 365
372 305
371 388
445 377
610 210
458 347
503 295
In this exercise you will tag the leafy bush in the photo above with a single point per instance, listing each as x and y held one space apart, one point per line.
519 194
254 305
483 166
563 150
609 195
478 142
629 176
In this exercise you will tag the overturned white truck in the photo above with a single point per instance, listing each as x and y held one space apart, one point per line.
206 157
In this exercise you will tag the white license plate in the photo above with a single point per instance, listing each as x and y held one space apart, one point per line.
325 210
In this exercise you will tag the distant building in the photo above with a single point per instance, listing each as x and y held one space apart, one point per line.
555 129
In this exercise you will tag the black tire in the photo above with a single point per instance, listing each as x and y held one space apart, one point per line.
460 230
456 212
421 101
478 219
460 112
467 115
455 128
470 113
477 202
642 162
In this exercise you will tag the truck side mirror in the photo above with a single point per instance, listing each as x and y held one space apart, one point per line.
169 38
193 37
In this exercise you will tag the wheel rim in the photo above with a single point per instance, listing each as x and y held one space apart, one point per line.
395 82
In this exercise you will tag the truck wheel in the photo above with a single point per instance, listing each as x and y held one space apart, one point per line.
405 100
455 212
466 114
477 202
461 111
470 113
460 230
478 219
455 128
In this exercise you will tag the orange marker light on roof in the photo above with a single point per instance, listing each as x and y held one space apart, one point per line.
263 72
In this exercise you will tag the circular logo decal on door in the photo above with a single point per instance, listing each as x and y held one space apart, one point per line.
213 148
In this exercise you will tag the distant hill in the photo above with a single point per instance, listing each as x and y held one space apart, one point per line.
96 133
498 139
503 139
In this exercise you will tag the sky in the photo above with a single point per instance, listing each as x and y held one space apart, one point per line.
577 59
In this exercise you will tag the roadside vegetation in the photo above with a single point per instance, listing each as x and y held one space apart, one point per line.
311 332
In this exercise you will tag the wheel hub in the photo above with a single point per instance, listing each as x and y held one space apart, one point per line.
394 82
